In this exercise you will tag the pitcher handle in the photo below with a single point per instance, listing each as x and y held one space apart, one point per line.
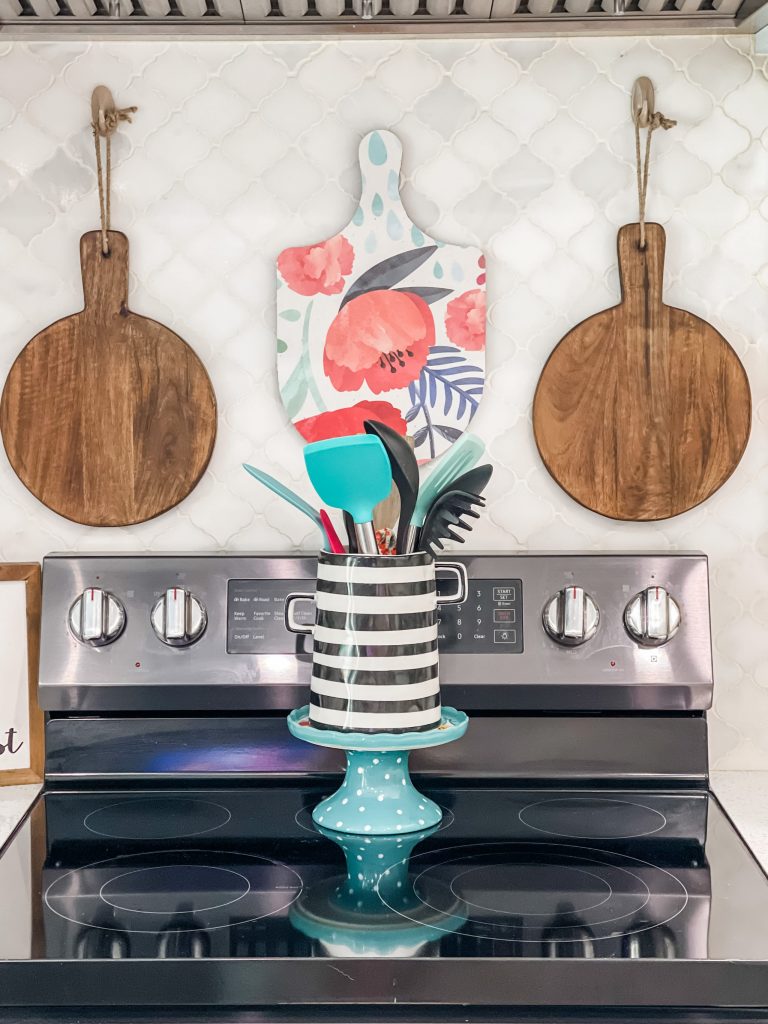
290 621
459 570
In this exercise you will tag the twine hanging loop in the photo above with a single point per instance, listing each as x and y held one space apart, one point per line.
645 116
105 117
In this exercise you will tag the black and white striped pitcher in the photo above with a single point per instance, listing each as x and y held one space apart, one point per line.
374 665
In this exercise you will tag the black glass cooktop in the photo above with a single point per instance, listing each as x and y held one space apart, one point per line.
511 875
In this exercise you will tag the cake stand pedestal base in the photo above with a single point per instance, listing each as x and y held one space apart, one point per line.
377 796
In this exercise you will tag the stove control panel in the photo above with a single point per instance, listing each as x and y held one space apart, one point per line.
553 632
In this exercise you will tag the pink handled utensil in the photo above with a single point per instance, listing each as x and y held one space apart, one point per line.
337 548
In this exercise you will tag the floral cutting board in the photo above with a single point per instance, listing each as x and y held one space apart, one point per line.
381 321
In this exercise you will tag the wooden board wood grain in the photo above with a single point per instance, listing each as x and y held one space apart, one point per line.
29 574
643 410
108 417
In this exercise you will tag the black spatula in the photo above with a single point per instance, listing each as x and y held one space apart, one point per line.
405 473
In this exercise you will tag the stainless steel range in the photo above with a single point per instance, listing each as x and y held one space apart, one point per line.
171 870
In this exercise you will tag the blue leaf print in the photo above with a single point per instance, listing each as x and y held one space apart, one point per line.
394 227
393 186
371 242
438 270
456 272
377 205
449 381
358 216
416 236
377 150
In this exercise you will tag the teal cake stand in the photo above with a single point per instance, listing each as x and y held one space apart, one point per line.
377 796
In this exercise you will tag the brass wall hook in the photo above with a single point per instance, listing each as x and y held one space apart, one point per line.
643 102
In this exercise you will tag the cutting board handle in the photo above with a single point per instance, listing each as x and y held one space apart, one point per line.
105 276
381 154
642 270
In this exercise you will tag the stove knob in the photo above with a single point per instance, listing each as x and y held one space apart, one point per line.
179 618
96 618
571 617
652 617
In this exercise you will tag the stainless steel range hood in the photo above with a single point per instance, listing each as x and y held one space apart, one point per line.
36 19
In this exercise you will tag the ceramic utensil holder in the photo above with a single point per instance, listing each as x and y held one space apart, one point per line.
375 660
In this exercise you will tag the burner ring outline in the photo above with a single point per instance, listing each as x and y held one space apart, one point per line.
144 800
173 913
529 913
294 895
595 800
590 924
633 931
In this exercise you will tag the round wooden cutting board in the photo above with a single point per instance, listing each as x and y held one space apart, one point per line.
108 418
642 411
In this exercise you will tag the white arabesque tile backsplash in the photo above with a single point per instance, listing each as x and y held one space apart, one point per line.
523 147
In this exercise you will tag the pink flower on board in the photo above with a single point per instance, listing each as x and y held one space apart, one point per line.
315 269
380 338
465 320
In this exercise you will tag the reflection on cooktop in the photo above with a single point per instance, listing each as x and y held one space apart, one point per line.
491 882
303 819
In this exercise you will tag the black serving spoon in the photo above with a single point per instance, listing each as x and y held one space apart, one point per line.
405 473
474 481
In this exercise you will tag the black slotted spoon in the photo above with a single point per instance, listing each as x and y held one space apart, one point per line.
448 512
459 499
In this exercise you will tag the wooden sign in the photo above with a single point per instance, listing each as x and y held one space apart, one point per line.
21 721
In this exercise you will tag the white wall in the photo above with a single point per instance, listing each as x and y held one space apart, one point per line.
523 147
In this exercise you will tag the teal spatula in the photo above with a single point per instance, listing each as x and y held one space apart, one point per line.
290 496
463 455
351 473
